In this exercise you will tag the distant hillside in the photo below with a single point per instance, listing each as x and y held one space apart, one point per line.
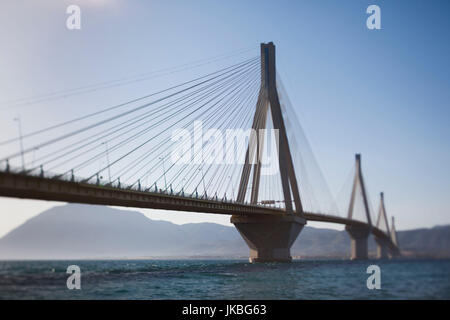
82 231
434 242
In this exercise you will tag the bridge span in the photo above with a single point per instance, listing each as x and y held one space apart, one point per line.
23 186
269 231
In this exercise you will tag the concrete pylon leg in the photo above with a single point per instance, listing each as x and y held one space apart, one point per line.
382 248
394 253
358 242
269 237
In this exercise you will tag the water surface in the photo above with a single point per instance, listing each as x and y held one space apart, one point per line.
225 279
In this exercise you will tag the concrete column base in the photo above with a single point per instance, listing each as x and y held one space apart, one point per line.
358 242
394 253
269 237
382 248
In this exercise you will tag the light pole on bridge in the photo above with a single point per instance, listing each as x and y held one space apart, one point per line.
232 188
203 180
107 159
21 141
164 173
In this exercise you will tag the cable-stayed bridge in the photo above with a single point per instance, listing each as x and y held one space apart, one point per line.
227 142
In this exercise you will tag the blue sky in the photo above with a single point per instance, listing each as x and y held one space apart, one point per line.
383 93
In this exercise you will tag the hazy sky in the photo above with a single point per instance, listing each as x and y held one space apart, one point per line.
383 93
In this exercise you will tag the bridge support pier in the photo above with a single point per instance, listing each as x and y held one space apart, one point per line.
382 248
394 253
358 242
269 237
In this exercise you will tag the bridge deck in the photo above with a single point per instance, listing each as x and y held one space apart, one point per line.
52 189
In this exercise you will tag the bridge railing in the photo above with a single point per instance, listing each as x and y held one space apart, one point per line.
71 177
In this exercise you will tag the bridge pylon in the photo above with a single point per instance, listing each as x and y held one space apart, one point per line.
382 224
359 233
395 251
269 238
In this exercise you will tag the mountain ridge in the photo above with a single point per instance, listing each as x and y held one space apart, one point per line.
75 231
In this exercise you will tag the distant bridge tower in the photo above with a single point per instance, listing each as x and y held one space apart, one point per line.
269 237
382 224
395 251
359 233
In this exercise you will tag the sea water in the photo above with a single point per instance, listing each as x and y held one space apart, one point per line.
225 279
